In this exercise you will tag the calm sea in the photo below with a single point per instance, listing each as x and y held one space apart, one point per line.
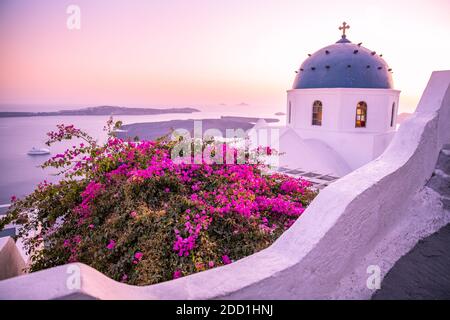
19 172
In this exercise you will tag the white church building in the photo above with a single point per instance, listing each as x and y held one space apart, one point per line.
341 111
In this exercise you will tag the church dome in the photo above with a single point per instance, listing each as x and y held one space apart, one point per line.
344 65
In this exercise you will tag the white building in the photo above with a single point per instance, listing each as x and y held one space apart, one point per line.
341 110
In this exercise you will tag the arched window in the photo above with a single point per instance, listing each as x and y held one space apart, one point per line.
392 114
361 115
317 113
289 112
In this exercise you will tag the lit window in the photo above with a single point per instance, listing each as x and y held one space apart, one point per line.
392 114
361 115
317 113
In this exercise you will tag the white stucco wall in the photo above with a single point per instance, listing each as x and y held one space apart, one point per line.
323 253
11 261
356 149
357 146
310 155
339 109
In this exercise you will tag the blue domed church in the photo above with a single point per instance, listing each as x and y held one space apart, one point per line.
341 110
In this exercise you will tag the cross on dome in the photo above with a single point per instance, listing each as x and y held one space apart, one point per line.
343 28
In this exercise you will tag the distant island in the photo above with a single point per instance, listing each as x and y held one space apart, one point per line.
99 111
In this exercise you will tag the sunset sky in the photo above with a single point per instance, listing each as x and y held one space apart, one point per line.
175 53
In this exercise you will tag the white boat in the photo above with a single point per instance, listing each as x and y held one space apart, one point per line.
37 152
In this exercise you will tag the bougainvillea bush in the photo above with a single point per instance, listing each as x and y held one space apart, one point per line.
129 210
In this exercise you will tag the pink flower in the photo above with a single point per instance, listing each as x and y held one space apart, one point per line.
13 198
292 185
177 274
211 264
91 226
124 278
167 190
133 214
138 255
111 245
89 194
199 266
226 259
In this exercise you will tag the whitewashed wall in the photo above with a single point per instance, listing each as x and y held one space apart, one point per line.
323 253
357 146
339 108
11 261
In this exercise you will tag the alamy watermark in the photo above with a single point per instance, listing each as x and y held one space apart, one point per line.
233 148
373 282
73 281
73 21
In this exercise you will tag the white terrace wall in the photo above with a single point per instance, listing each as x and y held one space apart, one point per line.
11 261
345 222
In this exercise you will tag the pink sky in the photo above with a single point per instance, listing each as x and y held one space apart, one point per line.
171 53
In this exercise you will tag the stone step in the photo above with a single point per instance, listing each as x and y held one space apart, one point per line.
422 273
446 203
443 162
440 184
442 174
